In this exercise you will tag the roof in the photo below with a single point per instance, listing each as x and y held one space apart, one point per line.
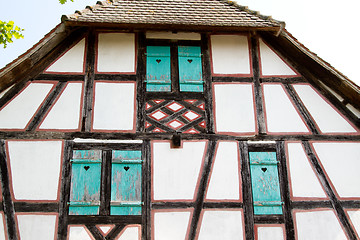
176 12
188 15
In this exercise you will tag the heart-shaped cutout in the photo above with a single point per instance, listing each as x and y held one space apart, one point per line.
158 60
264 169
126 168
86 168
190 60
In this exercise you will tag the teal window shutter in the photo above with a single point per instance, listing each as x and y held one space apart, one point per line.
126 183
265 183
85 182
190 69
158 74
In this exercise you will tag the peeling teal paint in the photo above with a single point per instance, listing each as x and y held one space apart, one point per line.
190 70
85 182
158 74
126 183
265 183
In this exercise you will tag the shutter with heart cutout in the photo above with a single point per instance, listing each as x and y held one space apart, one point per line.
158 74
85 182
265 183
126 182
190 70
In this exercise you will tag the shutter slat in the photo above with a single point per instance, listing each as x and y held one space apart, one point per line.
265 183
190 69
158 74
126 183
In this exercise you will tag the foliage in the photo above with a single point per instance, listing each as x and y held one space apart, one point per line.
8 31
64 1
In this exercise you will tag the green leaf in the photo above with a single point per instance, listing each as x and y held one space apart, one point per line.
8 31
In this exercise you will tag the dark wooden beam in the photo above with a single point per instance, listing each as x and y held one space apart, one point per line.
168 136
36 207
284 80
200 195
59 77
49 101
141 85
33 63
12 93
146 190
173 27
208 91
310 122
64 191
307 64
89 83
285 191
8 205
247 191
259 103
336 204
89 219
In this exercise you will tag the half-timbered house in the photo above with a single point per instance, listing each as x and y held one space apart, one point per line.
177 119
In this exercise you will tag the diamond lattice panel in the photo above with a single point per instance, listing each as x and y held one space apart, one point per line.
186 116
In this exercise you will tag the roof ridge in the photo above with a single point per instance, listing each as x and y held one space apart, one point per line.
256 13
90 10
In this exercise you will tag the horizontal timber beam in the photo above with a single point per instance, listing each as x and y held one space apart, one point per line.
13 135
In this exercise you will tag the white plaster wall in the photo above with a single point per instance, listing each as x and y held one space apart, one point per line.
270 233
116 52
318 225
271 63
35 169
114 106
21 109
341 163
171 35
224 225
39 227
78 233
355 219
65 113
105 228
304 182
234 108
224 181
176 170
2 226
281 114
171 225
230 54
328 120
71 61
130 233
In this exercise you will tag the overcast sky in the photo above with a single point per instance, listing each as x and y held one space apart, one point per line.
330 28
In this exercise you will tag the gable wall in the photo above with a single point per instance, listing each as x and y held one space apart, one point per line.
254 100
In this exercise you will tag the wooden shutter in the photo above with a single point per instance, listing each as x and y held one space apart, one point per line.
158 74
126 183
190 70
265 183
85 182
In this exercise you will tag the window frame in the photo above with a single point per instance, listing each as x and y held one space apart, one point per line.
106 181
174 68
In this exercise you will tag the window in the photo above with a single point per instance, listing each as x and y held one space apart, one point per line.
121 194
160 77
265 183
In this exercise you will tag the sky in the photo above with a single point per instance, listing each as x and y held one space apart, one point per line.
329 28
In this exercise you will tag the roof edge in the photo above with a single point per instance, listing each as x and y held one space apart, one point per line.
99 4
320 61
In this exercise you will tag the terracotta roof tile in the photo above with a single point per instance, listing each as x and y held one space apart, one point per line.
182 12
